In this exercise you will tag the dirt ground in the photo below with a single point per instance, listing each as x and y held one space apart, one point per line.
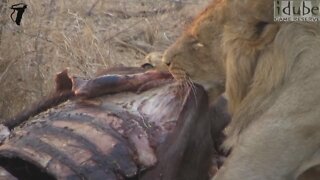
84 36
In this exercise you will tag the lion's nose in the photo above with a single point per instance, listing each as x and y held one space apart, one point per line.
166 61
167 58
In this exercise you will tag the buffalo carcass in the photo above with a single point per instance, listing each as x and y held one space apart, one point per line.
115 126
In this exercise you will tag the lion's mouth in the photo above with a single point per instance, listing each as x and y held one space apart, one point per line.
178 73
185 83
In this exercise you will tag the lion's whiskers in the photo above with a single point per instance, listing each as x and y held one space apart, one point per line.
182 87
185 83
192 87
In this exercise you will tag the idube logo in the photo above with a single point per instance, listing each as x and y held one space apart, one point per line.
297 10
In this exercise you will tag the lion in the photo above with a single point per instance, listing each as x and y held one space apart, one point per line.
270 72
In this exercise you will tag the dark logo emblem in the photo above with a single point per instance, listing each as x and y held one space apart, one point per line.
20 10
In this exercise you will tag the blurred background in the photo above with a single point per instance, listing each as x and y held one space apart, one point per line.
82 35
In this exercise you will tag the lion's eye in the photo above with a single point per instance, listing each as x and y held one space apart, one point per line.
198 45
260 27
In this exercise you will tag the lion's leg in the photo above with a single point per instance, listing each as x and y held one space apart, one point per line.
271 148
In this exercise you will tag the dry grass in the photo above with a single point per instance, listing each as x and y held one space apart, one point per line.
82 35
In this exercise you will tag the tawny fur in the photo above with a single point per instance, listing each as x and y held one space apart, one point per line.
193 54
270 72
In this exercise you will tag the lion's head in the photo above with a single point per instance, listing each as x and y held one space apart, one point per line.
266 68
197 54
203 53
